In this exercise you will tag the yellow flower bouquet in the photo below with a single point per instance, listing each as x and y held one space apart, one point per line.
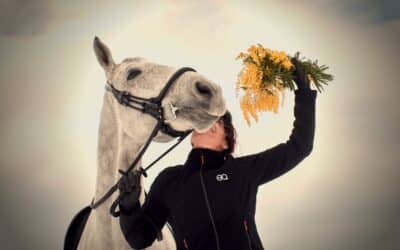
267 74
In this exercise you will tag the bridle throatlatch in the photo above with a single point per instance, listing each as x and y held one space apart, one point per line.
151 106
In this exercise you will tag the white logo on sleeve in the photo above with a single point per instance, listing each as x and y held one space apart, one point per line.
222 177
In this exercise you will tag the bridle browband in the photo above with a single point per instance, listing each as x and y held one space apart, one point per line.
151 106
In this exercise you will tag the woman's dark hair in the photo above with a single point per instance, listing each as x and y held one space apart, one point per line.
230 132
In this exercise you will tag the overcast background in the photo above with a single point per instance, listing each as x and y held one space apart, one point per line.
344 196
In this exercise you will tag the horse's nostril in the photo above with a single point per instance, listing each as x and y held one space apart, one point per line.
203 88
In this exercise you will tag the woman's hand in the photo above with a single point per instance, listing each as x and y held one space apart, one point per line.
300 77
129 188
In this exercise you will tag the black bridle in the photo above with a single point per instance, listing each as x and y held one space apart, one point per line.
151 106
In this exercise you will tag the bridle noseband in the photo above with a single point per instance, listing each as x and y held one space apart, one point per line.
151 106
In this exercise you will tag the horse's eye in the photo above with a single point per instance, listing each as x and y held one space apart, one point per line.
133 73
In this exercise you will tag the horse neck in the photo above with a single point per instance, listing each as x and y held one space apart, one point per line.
116 150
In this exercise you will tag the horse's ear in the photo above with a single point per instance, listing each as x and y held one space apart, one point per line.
103 54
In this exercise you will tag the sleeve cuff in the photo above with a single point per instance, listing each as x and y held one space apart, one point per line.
305 95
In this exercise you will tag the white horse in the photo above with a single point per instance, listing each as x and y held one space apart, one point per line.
197 103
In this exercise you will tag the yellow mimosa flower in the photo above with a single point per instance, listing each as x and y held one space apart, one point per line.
264 79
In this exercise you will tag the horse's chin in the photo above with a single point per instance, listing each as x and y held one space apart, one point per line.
185 118
200 121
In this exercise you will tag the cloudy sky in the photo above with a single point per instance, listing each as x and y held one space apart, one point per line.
344 196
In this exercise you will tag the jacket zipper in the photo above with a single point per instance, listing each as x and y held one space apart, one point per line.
207 203
247 233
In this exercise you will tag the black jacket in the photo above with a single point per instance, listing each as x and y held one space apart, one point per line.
210 203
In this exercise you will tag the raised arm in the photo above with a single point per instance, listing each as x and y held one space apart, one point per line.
273 162
276 161
141 224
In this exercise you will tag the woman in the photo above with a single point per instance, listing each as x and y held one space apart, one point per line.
210 200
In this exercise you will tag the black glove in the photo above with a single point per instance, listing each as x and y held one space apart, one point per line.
300 77
129 189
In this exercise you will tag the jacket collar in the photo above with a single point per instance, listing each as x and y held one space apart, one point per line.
212 159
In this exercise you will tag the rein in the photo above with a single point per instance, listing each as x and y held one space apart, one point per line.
151 106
